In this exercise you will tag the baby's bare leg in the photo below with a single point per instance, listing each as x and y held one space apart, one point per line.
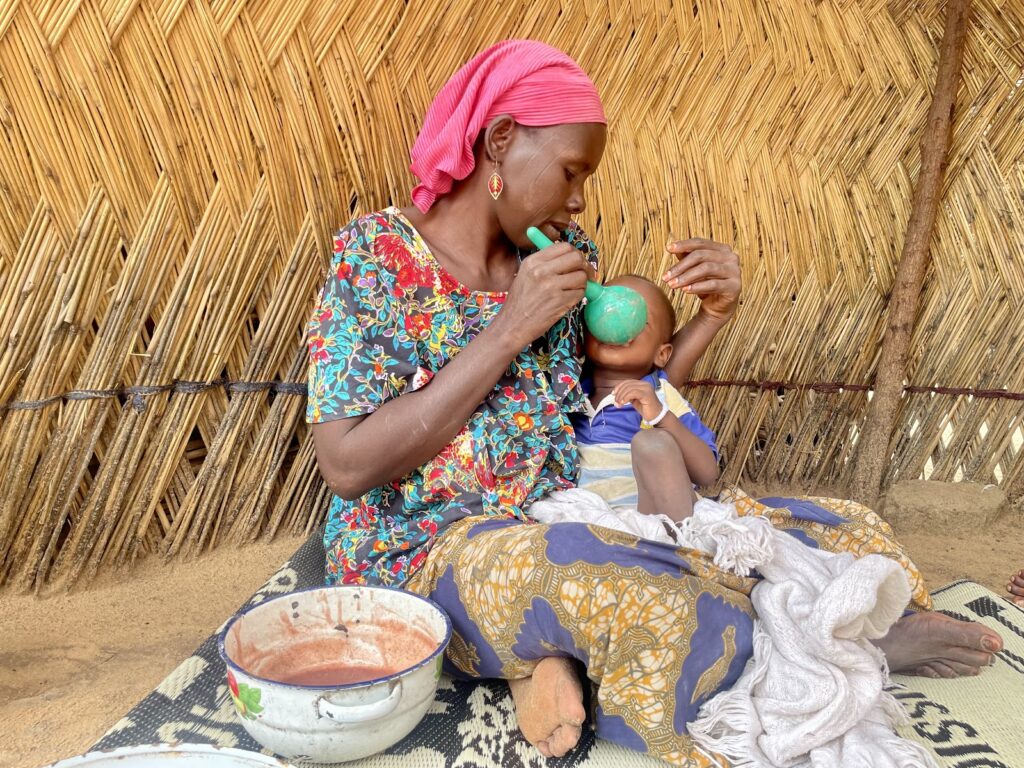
662 480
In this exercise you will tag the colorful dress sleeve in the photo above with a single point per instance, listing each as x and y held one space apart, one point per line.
360 355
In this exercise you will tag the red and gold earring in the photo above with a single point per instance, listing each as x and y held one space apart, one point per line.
495 183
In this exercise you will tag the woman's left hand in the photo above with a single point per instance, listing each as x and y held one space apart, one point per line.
710 271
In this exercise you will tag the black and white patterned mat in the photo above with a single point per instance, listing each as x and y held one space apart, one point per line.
967 724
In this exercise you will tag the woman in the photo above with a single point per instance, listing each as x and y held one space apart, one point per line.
443 367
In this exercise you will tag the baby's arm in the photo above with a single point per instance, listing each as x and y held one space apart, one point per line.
688 344
710 271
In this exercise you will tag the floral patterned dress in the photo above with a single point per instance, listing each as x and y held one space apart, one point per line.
389 317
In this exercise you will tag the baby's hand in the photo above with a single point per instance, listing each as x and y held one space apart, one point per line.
639 394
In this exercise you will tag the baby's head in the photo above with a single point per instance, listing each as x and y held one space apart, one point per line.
652 348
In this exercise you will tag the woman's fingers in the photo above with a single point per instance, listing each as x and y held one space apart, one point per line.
559 265
705 287
567 272
572 281
701 264
693 244
548 284
565 259
553 254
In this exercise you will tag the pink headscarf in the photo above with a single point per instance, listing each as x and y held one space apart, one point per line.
534 83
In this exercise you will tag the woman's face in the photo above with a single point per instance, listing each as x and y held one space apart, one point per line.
544 171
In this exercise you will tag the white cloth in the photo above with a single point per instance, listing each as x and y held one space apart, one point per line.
577 505
812 694
738 545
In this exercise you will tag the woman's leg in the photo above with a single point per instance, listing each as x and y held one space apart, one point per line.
922 643
660 630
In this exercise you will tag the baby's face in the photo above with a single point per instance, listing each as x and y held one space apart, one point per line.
637 356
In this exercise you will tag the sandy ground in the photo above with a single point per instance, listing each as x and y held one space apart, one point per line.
71 665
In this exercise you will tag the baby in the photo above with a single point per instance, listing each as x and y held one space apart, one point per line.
641 420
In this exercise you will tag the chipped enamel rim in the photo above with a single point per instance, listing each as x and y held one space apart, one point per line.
232 665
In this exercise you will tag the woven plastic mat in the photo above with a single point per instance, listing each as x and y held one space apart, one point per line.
967 723
972 722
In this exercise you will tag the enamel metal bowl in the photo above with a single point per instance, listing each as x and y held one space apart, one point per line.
334 673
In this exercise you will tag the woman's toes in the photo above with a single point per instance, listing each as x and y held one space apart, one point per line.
964 636
564 739
991 642
549 706
927 671
944 669
959 669
967 656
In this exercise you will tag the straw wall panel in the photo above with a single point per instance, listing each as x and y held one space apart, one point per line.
171 172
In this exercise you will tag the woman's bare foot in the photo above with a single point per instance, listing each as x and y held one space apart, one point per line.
935 645
549 706
1016 588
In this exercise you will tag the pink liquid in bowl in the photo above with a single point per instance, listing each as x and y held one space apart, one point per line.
304 651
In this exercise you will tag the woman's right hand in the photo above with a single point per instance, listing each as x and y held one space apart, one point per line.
549 283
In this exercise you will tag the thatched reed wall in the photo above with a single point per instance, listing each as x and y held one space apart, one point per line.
171 172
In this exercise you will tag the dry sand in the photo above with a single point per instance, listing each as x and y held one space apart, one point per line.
71 665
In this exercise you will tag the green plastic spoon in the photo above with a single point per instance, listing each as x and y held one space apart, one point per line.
614 314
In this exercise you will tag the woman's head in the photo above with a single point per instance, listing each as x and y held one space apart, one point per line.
543 173
526 109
